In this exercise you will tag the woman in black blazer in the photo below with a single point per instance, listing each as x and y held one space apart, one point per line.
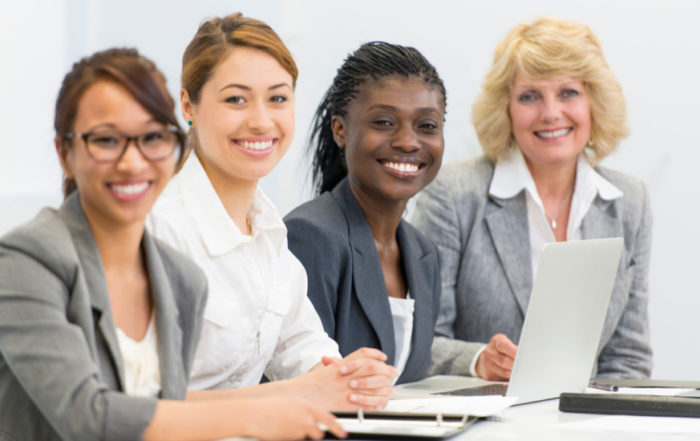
377 141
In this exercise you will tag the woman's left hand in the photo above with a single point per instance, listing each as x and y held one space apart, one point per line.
360 380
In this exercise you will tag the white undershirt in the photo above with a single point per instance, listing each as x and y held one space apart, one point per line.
141 362
402 315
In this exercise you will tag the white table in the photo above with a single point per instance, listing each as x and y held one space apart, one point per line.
542 421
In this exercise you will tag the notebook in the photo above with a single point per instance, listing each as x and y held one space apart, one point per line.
564 321
624 404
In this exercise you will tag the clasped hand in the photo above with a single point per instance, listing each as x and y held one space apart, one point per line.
361 380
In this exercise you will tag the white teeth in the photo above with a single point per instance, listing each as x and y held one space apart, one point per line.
129 189
258 145
405 167
553 133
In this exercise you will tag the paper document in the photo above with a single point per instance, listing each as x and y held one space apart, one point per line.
423 429
479 406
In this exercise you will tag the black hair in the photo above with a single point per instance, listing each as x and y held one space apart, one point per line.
375 60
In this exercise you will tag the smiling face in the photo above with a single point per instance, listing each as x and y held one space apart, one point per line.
244 119
120 192
550 119
392 137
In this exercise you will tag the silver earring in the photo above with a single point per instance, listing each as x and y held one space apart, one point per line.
589 144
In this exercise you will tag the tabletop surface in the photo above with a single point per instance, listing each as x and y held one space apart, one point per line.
542 421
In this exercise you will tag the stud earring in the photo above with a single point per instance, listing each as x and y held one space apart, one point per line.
589 144
189 123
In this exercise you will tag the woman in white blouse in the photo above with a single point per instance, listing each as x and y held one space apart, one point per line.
237 95
550 109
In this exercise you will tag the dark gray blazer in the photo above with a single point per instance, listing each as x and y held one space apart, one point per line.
332 239
60 364
484 250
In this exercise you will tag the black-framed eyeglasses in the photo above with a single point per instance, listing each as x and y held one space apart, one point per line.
108 145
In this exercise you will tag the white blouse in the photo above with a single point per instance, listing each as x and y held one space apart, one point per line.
511 176
402 315
258 319
141 362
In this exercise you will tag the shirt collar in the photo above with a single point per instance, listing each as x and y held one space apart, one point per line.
511 176
587 175
219 233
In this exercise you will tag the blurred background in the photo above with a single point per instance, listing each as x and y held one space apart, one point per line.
652 45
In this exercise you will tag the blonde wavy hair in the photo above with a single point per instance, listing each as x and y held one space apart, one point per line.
548 48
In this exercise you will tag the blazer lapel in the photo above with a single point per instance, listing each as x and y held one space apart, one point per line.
173 377
598 224
367 275
422 292
91 262
511 239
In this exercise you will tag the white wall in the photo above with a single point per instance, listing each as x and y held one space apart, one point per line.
653 47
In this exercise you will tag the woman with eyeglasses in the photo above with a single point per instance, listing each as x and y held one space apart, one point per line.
99 321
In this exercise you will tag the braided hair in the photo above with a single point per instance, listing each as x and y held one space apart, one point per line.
372 61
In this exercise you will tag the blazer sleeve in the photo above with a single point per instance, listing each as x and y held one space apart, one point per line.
325 259
628 353
47 358
435 215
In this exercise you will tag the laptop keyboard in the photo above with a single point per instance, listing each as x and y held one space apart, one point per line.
486 389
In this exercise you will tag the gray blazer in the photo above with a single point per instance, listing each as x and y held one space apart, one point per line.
61 369
332 239
486 272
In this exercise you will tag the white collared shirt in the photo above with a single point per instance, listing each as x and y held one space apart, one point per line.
511 176
258 318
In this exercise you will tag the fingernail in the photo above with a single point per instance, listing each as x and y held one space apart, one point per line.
353 384
343 369
353 398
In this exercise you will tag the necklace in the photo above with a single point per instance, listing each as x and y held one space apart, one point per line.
553 219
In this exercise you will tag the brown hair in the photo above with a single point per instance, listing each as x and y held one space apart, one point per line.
130 70
546 48
213 41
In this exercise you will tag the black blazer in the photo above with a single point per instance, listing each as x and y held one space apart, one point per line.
332 239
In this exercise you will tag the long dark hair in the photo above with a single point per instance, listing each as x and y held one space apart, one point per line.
127 68
372 61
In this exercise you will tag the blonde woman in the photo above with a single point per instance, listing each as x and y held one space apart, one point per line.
549 111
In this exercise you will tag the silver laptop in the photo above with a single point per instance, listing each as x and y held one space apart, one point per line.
564 321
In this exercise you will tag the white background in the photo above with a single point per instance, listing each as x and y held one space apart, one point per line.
652 45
